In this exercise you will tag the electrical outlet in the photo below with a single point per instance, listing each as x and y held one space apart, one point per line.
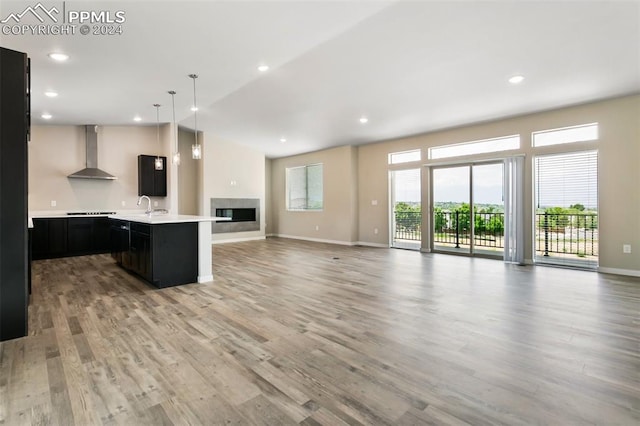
155 204
124 203
317 228
626 248
374 202
375 230
54 203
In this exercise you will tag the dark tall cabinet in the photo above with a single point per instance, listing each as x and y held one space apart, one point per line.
152 182
14 133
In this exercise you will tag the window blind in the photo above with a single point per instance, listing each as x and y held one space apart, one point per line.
567 179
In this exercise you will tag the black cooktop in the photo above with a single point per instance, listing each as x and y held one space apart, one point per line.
90 213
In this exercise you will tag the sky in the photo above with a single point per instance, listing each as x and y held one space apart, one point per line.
561 181
452 184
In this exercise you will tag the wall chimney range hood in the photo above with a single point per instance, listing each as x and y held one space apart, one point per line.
92 171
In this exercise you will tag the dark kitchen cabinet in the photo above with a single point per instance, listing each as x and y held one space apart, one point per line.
73 236
152 182
101 236
80 235
119 242
162 254
57 242
40 239
14 134
49 238
140 250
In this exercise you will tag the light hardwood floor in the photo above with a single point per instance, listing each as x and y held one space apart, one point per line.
305 333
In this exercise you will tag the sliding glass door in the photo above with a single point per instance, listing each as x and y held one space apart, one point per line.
451 192
406 214
488 208
459 190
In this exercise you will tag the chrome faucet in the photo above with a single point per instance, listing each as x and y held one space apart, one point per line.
148 212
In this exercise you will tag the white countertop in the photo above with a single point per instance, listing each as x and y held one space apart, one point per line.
166 218
131 216
50 214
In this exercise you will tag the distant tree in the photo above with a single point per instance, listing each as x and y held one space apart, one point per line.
464 218
440 219
557 218
406 207
578 206
407 216
496 224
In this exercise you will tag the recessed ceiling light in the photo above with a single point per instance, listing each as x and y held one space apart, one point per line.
364 120
194 109
282 140
60 57
137 118
263 68
46 116
516 79
51 94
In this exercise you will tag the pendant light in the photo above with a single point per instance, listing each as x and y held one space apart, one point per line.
175 159
158 161
196 149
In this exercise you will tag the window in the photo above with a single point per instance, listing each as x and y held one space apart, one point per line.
566 202
304 187
476 147
404 157
583 133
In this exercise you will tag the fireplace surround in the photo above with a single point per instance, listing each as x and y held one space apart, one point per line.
244 214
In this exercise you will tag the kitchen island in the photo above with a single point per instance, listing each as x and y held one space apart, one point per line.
165 250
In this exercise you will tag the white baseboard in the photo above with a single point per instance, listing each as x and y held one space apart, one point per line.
236 240
322 240
617 271
205 278
316 240
367 244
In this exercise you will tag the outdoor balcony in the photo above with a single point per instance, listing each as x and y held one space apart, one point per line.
559 237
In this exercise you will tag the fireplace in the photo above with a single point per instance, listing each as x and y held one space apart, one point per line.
237 215
243 212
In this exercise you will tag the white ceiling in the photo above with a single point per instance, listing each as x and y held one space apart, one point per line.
410 67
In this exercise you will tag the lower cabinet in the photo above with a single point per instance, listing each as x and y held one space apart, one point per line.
49 238
79 235
73 236
162 254
119 242
140 251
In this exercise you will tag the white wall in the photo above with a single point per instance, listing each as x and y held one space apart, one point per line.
337 222
188 173
619 174
232 171
57 151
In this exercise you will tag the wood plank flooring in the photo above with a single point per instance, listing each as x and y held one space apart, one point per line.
294 332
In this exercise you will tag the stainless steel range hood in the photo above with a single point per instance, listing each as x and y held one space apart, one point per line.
92 171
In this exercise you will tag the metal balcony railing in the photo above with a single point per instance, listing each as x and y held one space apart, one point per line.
454 228
560 233
408 225
556 234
